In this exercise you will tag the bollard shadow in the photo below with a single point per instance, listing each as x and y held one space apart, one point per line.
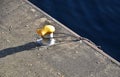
13 50
29 46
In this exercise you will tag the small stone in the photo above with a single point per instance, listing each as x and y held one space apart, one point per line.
91 75
10 27
76 52
97 62
8 41
26 25
58 73
39 48
33 10
43 19
2 32
80 41
38 54
29 64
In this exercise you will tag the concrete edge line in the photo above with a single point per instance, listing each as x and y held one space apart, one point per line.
85 41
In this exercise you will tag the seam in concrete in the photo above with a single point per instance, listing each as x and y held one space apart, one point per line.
76 35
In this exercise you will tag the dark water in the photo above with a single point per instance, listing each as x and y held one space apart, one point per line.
97 20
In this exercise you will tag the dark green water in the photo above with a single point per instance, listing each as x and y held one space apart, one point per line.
97 20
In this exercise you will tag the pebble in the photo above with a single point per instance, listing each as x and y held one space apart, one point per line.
29 64
38 54
76 52
92 75
26 25
80 41
10 28
58 73
8 41
97 62
2 32
43 19
33 10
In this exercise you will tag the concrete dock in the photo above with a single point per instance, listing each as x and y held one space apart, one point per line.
71 56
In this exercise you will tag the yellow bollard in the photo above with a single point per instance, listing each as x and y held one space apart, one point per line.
46 30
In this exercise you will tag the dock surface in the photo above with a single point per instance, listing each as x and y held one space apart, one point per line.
20 56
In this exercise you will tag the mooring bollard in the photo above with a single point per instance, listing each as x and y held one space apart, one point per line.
46 31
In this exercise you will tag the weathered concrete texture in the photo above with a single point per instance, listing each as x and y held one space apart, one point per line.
21 57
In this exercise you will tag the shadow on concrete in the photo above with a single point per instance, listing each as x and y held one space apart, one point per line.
31 45
13 50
